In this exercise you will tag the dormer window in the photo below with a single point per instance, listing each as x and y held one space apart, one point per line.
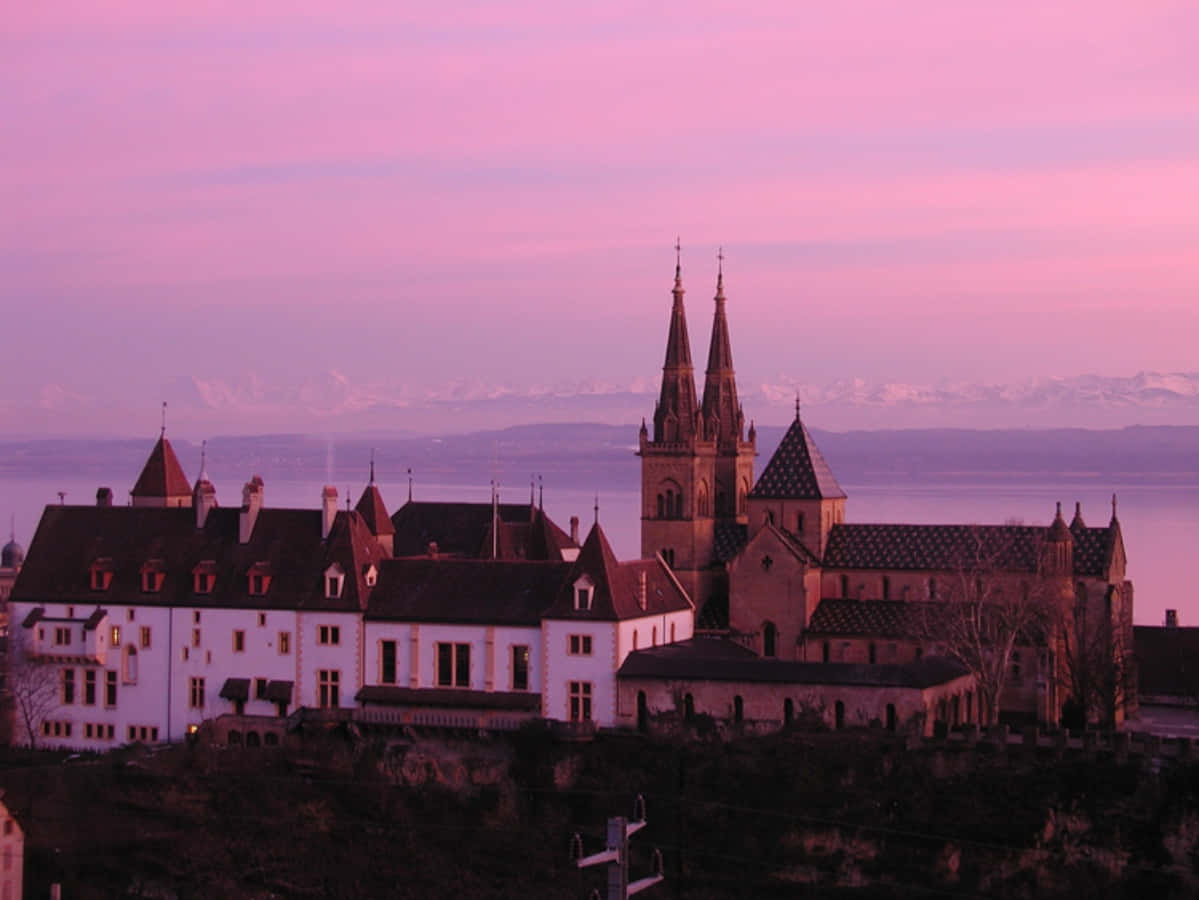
335 578
259 579
584 593
204 577
153 574
101 575
370 575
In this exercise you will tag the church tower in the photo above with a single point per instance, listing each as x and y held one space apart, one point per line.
696 466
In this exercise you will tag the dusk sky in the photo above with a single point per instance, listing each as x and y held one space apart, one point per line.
425 192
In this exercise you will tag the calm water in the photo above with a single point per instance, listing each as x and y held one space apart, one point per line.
1159 522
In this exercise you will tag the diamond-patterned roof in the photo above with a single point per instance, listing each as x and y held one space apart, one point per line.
949 547
880 618
729 538
797 471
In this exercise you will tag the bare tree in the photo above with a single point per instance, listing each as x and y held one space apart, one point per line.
33 686
995 600
1099 663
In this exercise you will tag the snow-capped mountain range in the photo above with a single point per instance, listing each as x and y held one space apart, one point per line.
334 402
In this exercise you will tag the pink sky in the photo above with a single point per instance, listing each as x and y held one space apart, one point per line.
904 191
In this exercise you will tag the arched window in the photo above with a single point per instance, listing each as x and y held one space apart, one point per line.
738 709
701 501
770 636
839 715
129 665
669 504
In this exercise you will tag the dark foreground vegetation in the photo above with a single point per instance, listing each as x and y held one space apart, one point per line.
792 815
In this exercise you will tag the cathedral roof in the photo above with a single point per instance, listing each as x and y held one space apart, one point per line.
797 470
879 618
952 547
162 476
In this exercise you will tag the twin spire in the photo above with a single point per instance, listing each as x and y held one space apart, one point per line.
718 417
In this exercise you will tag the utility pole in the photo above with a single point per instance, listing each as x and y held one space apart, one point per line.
616 856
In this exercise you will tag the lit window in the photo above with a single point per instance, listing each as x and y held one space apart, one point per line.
328 634
453 665
328 684
580 701
195 697
579 645
115 639
195 637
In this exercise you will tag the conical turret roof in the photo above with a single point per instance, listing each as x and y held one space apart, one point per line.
162 476
797 470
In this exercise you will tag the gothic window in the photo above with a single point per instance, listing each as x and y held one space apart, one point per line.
770 636
669 504
702 501
799 523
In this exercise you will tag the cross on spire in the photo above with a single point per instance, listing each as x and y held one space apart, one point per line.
597 509
163 433
797 406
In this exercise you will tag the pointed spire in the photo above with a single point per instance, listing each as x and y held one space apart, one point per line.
162 482
1077 523
409 484
1113 507
721 411
674 416
1058 530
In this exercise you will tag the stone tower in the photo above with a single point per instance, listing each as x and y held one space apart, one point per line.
697 469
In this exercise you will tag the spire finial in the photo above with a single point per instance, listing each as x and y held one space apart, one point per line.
163 433
720 272
796 405
597 509
531 492
1113 506
372 481
203 461
409 484
1059 509
678 256
540 494
12 527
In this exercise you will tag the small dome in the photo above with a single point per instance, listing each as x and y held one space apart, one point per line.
12 555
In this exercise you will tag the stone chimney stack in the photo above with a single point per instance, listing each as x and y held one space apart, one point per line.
251 504
574 529
1171 618
204 502
104 496
328 510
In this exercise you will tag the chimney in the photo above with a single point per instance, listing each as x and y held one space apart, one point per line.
642 599
432 549
1171 618
251 503
328 510
204 502
104 496
574 529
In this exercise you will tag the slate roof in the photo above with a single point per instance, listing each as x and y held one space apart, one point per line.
1167 661
952 547
390 695
714 659
617 585
797 470
464 530
70 539
878 618
465 591
730 538
162 476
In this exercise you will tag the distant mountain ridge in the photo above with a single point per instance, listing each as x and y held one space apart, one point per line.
333 402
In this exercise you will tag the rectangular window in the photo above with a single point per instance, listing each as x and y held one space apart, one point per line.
186 654
328 685
203 583
453 665
196 617
520 668
144 636
89 687
115 640
262 620
257 585
387 662
580 701
285 642
62 636
886 587
68 686
239 642
579 645
583 598
328 634
260 688
195 637
195 697
129 614
110 688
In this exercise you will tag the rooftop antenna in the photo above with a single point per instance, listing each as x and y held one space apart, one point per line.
12 527
410 484
163 433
